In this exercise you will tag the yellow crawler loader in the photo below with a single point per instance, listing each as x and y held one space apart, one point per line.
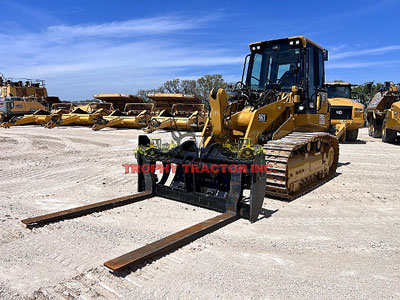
347 115
135 115
270 136
381 113
81 117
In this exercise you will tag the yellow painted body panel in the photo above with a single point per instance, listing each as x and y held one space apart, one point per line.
251 124
28 119
23 91
392 118
21 106
357 120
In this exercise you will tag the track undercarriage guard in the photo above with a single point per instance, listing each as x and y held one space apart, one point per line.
219 191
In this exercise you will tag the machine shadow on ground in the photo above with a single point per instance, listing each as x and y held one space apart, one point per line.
357 142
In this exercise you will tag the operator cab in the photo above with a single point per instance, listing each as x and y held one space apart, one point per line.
283 64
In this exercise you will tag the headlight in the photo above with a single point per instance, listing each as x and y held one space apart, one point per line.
358 110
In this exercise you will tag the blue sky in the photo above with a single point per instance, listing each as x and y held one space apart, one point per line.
86 47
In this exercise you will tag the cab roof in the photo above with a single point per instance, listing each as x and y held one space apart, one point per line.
343 83
304 40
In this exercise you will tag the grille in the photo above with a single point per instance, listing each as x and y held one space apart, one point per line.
341 112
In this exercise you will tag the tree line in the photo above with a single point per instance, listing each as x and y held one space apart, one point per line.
200 87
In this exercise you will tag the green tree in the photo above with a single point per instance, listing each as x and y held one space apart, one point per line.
367 91
199 88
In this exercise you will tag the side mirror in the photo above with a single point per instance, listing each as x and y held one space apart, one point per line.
326 56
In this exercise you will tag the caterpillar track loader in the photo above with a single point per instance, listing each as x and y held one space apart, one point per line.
381 113
284 123
268 136
347 115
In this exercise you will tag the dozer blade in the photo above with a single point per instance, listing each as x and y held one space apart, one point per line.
86 209
171 242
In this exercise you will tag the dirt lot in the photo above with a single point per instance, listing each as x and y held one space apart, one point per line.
340 241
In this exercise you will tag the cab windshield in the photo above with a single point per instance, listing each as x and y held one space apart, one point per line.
274 64
341 91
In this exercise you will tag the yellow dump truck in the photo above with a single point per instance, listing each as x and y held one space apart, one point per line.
347 115
391 123
383 113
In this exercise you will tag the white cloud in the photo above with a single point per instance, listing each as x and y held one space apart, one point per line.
364 57
361 64
145 26
363 52
78 61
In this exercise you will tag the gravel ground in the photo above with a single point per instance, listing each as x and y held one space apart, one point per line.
341 240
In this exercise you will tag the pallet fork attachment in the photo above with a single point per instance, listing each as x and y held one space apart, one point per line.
222 193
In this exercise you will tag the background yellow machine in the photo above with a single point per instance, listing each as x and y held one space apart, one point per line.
40 117
22 96
118 100
391 123
135 115
181 117
347 115
81 117
381 112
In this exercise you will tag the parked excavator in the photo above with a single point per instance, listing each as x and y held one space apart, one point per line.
383 113
347 115
268 136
